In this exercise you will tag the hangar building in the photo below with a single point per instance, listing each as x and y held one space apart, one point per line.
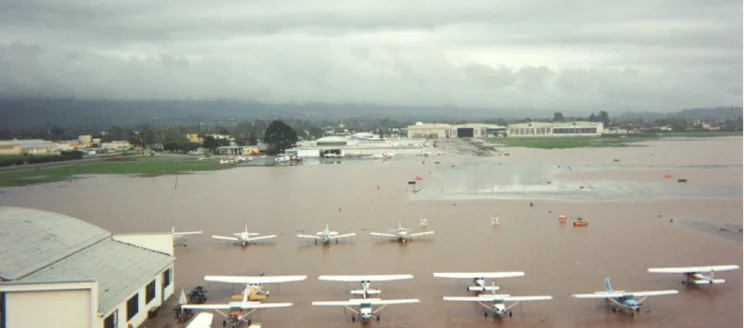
59 271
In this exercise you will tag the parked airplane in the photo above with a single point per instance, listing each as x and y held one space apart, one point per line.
479 278
254 285
402 234
625 300
245 237
236 314
365 305
178 235
365 280
498 302
326 235
202 320
694 275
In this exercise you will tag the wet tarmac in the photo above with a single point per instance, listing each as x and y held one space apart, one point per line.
622 240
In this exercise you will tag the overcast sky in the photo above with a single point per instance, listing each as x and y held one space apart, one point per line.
657 55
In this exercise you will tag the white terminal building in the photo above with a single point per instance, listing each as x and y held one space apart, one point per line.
478 130
61 272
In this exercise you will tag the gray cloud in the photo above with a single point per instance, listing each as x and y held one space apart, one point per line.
572 54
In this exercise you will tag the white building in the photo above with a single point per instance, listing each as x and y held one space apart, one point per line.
58 271
555 129
468 130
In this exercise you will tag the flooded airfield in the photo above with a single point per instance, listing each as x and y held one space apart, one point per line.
627 200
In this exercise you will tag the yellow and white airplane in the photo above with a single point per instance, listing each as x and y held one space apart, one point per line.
326 235
180 235
401 234
248 300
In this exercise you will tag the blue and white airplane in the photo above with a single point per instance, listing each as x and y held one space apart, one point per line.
326 235
625 300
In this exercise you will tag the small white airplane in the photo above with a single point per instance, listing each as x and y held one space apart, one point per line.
202 320
479 278
178 235
695 275
253 285
365 305
245 237
624 300
365 280
326 235
402 234
497 302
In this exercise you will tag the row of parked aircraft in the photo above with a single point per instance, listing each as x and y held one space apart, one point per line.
244 238
362 301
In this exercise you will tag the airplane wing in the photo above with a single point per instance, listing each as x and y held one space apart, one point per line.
344 235
245 306
474 275
370 301
260 238
202 320
653 293
254 280
419 234
187 233
225 238
694 269
491 298
600 295
350 278
382 234
308 236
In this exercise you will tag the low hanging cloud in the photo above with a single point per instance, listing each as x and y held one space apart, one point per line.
657 55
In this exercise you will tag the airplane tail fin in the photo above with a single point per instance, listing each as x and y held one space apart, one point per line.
173 230
608 287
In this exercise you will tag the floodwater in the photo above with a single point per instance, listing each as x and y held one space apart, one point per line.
624 237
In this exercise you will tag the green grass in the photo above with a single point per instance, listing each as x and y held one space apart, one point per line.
701 134
589 142
567 142
142 167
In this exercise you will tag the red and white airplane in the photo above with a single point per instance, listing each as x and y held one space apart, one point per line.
696 275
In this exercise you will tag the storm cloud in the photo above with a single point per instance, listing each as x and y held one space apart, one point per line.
656 55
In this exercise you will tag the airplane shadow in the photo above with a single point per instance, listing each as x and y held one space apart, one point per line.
393 242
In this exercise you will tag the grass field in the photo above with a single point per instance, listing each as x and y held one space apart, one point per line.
607 141
137 166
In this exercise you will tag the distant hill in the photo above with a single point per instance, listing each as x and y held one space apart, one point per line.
26 112
716 114
32 112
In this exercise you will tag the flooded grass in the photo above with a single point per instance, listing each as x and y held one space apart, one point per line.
138 166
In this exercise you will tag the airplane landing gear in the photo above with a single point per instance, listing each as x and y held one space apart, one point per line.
510 314
378 318
353 319
485 314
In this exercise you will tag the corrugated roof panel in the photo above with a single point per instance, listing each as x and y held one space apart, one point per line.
32 239
119 268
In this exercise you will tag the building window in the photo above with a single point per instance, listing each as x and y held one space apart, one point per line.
166 278
150 292
112 321
132 306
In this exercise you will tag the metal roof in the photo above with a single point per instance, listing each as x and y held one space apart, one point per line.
119 268
40 246
32 143
32 239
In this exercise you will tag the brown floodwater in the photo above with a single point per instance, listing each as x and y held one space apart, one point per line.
621 241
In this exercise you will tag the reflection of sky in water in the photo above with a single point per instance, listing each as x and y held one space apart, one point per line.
537 181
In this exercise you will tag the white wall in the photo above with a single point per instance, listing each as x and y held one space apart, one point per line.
157 242
56 308
143 308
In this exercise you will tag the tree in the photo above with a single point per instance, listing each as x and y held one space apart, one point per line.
252 139
592 118
210 143
379 131
148 135
279 136
604 117
558 117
